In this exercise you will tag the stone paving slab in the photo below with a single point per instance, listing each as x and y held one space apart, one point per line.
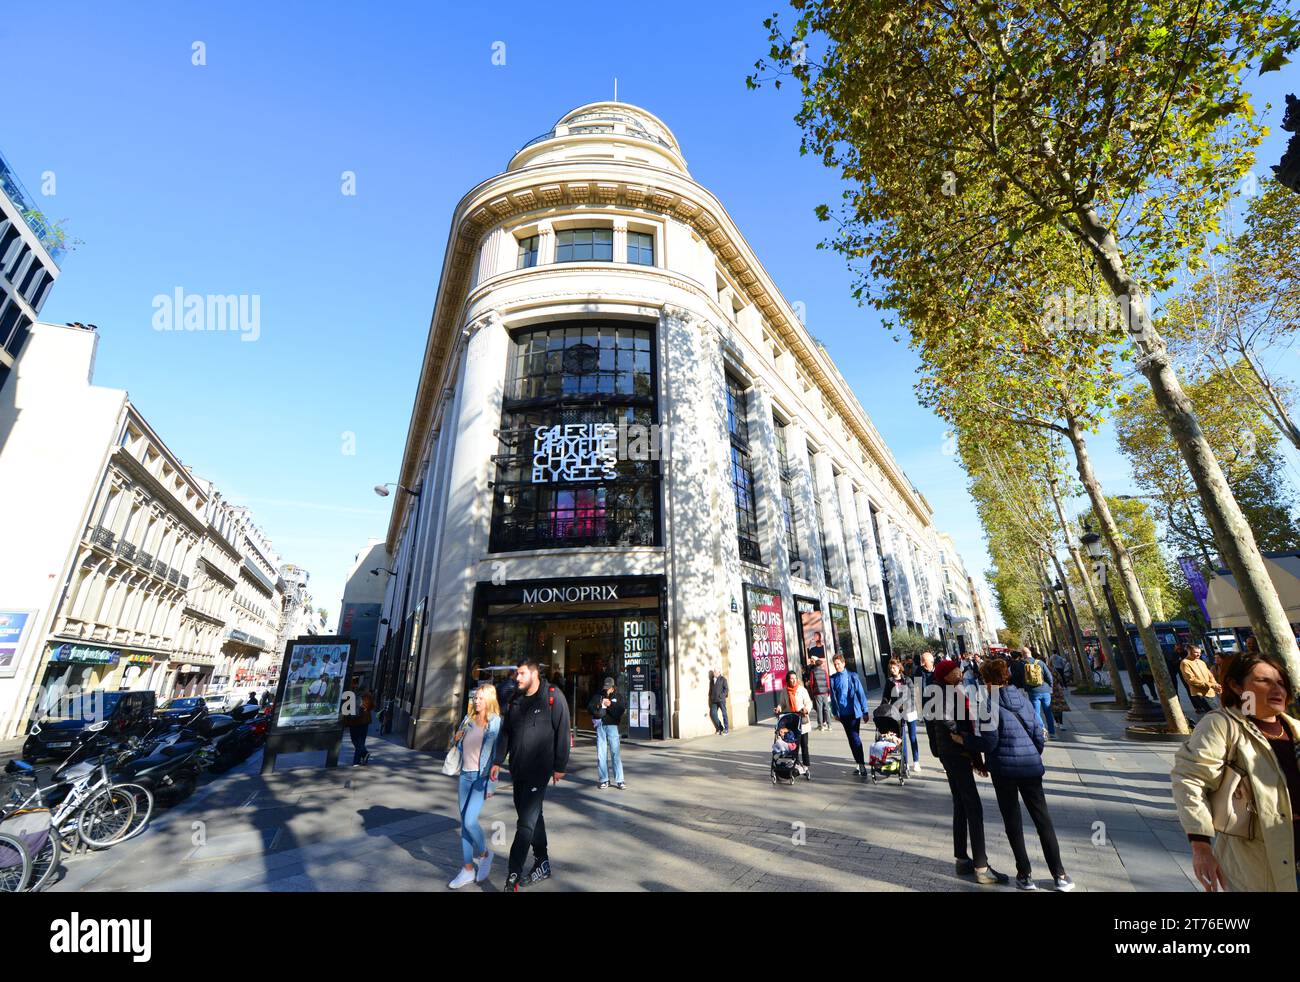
698 815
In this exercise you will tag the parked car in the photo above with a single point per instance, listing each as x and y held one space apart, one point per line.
176 710
127 714
218 702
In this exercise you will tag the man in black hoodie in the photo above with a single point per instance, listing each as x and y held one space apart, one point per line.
535 733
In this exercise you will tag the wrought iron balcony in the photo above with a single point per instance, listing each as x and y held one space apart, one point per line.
185 582
103 537
160 568
145 559
126 550
174 577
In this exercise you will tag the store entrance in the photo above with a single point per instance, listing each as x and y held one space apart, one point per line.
578 645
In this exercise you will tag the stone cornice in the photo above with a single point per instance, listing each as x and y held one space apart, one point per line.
576 184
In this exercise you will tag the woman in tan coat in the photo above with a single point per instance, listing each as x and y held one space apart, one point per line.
1253 733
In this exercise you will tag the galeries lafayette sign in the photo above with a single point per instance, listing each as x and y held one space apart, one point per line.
570 594
575 452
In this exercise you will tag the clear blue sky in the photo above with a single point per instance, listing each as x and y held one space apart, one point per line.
225 179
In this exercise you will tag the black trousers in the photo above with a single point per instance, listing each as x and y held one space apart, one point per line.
530 828
967 811
1201 704
358 735
803 747
1010 791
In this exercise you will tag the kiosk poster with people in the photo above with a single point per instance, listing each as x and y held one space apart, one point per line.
314 685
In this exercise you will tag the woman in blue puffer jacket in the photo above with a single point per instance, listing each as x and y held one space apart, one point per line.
849 704
1012 743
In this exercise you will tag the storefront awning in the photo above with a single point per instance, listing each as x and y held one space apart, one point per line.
1225 605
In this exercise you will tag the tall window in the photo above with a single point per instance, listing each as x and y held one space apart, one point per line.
576 394
641 248
884 567
742 472
528 252
787 495
573 245
821 522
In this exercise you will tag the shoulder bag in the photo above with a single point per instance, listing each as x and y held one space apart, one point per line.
1232 803
451 763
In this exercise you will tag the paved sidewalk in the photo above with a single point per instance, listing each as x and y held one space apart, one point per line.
697 815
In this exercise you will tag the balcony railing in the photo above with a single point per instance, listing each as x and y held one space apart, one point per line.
145 559
103 537
126 550
50 238
185 582
174 577
160 568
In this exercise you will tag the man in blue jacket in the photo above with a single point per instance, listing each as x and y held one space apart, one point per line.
849 704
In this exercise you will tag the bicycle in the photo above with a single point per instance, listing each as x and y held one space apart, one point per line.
15 864
94 811
33 828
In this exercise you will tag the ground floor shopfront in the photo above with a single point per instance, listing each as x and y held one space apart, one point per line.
77 669
582 631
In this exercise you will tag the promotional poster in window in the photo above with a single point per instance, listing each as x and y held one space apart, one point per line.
766 640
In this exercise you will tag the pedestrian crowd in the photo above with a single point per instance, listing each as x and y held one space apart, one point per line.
1236 781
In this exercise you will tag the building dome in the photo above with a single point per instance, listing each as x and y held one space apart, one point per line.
604 130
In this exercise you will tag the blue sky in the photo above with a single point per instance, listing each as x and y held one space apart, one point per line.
225 178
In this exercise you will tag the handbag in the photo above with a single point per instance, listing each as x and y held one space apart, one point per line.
451 763
1232 803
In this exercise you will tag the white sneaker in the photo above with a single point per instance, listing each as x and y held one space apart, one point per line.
915 768
484 864
463 877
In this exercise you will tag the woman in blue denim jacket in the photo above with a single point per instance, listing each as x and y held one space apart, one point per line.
477 739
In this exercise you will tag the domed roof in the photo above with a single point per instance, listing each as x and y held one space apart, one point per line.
620 120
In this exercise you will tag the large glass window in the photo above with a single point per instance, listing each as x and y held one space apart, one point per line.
821 523
641 248
787 495
578 459
574 245
527 252
742 472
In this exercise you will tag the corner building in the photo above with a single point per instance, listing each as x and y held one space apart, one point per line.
627 457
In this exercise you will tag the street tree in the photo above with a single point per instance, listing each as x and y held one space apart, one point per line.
962 130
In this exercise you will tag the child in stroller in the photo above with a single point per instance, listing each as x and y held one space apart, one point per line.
886 755
785 750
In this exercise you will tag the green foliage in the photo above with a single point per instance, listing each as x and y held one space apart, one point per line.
906 643
1138 530
1247 446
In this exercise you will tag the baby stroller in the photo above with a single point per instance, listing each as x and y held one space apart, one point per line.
887 759
785 764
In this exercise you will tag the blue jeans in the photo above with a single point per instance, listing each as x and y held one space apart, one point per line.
720 725
1043 704
473 789
607 741
916 747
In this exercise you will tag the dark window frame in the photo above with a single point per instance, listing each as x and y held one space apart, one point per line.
743 485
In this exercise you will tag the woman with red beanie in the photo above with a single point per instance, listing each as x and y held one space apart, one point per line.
953 724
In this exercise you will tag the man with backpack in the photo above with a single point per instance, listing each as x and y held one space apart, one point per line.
1036 679
535 734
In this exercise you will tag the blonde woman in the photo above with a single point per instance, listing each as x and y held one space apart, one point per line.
477 739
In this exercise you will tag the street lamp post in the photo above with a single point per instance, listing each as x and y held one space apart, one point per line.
1141 709
389 684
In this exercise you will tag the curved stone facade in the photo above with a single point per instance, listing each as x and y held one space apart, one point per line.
591 288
